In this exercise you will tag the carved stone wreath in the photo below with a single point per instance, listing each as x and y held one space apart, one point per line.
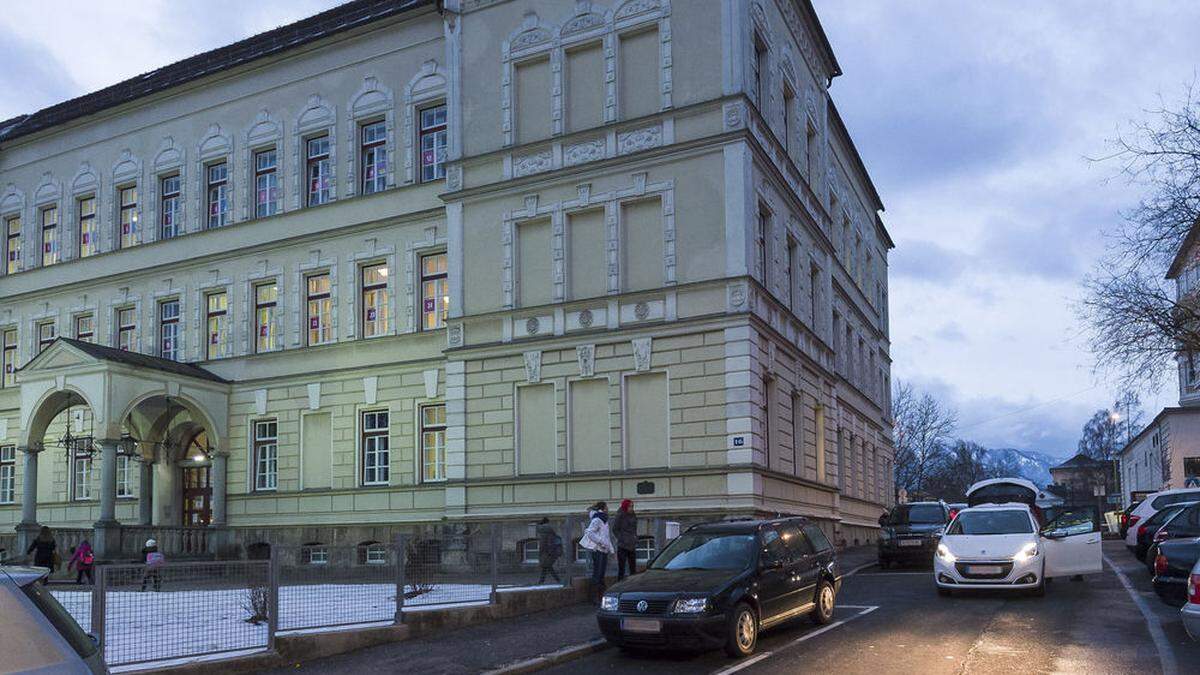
641 310
532 325
585 318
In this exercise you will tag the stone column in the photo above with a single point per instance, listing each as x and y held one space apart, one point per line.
107 531
220 462
27 529
145 493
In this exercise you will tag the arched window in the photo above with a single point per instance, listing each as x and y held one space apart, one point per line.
314 553
372 553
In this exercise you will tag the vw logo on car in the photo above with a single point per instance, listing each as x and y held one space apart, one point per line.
642 605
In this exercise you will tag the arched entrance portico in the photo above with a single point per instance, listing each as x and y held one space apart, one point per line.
170 418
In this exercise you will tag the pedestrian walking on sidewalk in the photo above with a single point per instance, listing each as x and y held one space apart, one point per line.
154 562
624 529
550 549
83 559
596 539
44 551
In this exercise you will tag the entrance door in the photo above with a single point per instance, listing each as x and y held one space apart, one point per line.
197 496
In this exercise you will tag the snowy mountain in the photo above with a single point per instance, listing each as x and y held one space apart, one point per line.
1033 465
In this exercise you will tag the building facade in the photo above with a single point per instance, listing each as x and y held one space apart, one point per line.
412 262
1165 455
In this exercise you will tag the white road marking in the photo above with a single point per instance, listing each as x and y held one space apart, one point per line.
858 569
1166 657
902 574
865 610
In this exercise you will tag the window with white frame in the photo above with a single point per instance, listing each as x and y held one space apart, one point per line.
46 333
8 473
645 549
127 329
81 475
217 195
319 309
125 467
435 291
318 169
8 340
372 553
374 157
375 458
266 298
314 553
433 442
217 323
529 551
266 455
12 245
168 329
85 328
375 300
130 232
89 232
582 555
266 183
170 215
433 143
51 253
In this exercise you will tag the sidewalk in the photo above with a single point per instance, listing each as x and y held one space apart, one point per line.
497 644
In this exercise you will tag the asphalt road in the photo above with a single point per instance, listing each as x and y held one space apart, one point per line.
894 622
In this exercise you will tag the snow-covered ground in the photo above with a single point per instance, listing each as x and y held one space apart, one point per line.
171 624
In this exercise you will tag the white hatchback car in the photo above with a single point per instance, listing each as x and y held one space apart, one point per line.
1151 505
1002 546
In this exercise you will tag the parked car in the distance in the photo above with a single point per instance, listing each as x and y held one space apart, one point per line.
719 584
1153 503
1191 611
910 533
1147 528
1185 524
1124 522
36 633
1173 563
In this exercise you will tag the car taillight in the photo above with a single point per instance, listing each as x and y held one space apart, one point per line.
1142 531
1193 589
1133 520
1160 564
1161 536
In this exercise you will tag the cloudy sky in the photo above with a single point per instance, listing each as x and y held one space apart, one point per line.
975 119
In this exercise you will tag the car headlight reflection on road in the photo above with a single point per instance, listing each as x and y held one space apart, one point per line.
691 605
945 554
609 603
1026 553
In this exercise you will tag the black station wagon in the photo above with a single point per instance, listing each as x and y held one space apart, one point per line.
719 584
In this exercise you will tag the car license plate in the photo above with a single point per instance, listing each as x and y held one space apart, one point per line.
641 625
984 569
910 542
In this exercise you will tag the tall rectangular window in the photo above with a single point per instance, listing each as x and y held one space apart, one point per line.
217 180
761 228
435 291
375 458
433 442
81 475
433 143
318 169
127 329
266 183
50 243
216 321
810 151
9 340
789 262
89 234
374 157
130 232
319 311
85 328
46 333
758 72
266 455
789 117
168 329
375 300
12 245
8 474
170 215
266 297
125 466
814 277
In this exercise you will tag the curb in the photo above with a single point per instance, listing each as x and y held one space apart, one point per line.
563 655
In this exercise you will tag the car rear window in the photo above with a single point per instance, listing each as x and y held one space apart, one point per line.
909 514
1167 500
992 522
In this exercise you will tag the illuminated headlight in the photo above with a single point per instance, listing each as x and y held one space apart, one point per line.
609 603
691 605
1026 553
945 554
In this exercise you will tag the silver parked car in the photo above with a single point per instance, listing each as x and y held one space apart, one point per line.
36 633
1191 611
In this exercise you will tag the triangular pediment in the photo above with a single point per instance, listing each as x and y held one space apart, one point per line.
66 353
60 354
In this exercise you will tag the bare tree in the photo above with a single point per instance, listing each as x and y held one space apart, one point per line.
923 427
1136 326
1107 432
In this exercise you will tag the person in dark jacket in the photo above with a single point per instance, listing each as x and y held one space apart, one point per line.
43 549
624 532
549 550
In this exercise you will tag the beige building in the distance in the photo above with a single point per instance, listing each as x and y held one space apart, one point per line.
410 262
